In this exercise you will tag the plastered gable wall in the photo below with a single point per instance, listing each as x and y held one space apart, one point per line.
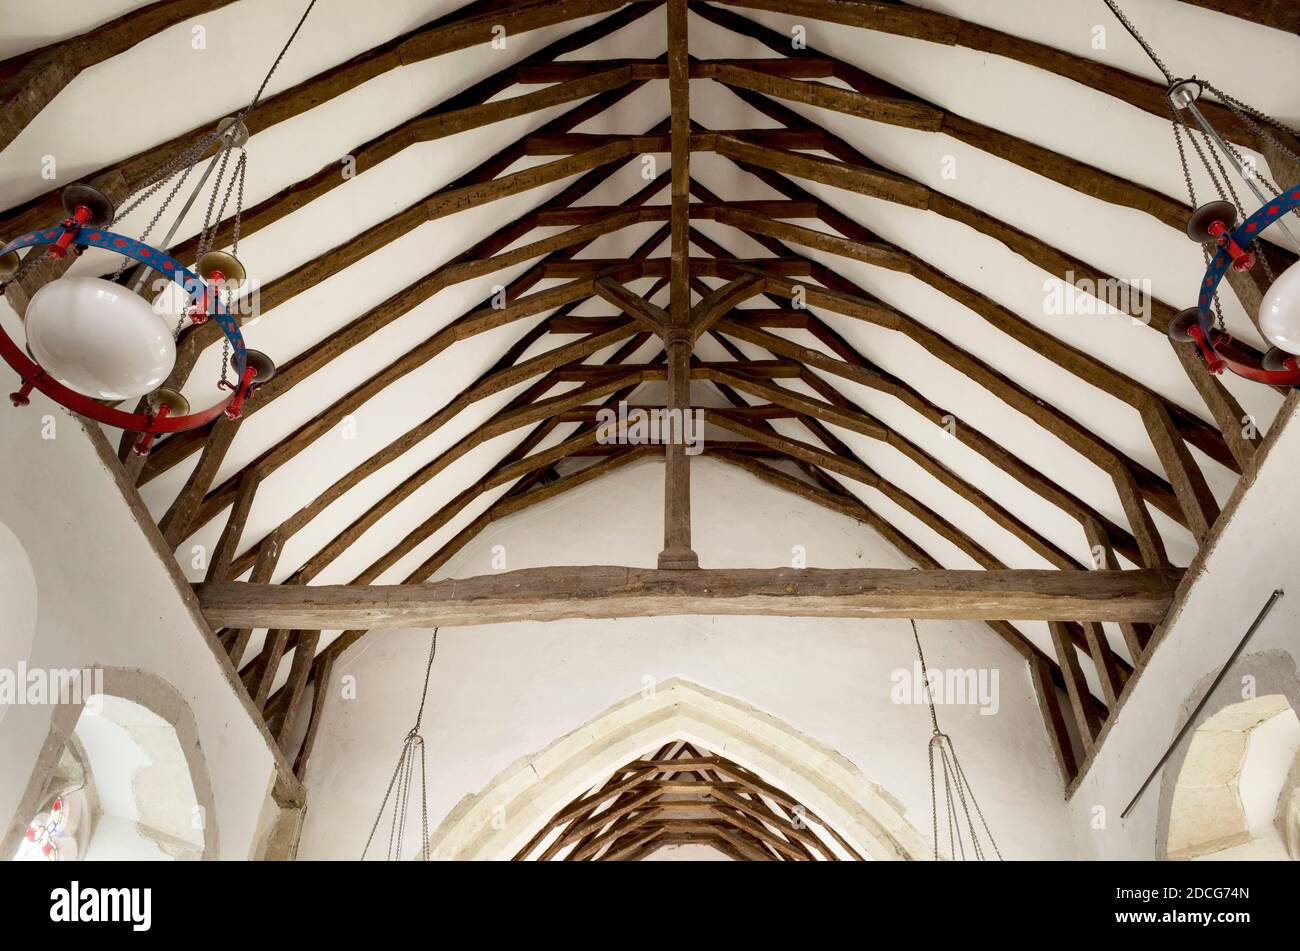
1255 553
502 692
105 598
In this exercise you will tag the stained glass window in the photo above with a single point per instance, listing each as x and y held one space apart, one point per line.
49 836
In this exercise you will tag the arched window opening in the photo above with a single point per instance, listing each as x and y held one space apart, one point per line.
60 831
1238 793
122 790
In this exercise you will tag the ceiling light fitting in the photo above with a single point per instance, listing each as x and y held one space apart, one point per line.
1230 237
93 341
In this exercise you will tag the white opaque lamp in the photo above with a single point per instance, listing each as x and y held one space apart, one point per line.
98 338
1279 314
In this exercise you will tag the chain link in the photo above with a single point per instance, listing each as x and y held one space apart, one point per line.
403 779
1133 31
954 782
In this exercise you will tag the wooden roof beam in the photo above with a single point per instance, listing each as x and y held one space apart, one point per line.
1154 313
483 258
539 594
32 79
905 20
461 29
1279 14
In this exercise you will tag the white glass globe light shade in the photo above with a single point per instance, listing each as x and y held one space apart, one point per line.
1279 314
98 338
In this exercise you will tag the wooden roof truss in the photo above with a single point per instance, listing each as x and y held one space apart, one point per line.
786 365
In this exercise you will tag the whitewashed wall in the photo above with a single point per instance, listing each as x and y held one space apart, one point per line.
104 597
500 692
1256 553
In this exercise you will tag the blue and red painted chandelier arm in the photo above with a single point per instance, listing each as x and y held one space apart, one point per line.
207 304
1216 347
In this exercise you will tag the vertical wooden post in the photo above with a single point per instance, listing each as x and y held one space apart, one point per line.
1136 636
677 552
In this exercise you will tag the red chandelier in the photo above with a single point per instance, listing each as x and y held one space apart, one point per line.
1231 238
95 341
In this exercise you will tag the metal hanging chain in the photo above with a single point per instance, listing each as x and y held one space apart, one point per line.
955 782
1133 31
403 779
1251 117
196 152
1249 114
209 230
276 65
240 170
185 160
193 155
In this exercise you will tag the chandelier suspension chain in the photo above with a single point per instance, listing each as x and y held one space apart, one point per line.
403 778
1249 116
193 155
953 776
1133 31
187 161
184 160
1217 147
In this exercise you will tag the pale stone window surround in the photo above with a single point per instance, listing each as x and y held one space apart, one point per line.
497 821
154 694
1200 806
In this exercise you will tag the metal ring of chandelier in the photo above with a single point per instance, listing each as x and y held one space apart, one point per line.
1197 324
160 420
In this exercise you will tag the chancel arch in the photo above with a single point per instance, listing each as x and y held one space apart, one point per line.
503 818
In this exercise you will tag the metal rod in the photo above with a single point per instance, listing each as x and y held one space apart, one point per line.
1248 178
1259 619
226 139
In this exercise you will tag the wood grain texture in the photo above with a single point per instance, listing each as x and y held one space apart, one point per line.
547 594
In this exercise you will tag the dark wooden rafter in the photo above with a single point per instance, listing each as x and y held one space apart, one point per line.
1279 14
905 20
31 80
1227 413
458 30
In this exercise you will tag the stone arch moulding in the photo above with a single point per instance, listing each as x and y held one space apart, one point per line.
154 694
498 820
1276 676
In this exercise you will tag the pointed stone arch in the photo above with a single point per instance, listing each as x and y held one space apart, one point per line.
1201 802
497 821
143 689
